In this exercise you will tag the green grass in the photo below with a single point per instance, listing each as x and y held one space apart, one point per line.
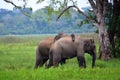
17 59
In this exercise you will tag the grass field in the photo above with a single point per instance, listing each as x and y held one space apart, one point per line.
17 59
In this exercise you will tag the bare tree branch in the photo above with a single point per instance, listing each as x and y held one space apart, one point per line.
8 1
105 7
73 2
96 24
99 6
66 2
98 10
93 5
89 19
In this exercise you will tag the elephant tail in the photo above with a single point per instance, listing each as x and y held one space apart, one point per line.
73 37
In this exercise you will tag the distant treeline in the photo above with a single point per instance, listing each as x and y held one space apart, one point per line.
14 22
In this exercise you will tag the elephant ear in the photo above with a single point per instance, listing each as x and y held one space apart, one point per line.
86 42
91 41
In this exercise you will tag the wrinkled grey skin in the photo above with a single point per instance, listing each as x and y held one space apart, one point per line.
64 48
42 51
90 48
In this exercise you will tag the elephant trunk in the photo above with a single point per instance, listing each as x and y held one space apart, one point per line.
93 58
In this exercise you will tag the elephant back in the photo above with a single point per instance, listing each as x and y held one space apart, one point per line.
47 42
59 35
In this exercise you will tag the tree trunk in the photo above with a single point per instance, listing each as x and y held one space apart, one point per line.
100 10
104 48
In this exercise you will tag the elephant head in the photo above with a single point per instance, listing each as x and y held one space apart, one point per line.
90 48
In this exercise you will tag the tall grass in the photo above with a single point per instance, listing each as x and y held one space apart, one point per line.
17 59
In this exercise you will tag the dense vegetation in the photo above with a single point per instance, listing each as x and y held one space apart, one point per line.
14 22
17 59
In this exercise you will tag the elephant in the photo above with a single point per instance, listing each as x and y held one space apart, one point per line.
64 49
60 35
42 51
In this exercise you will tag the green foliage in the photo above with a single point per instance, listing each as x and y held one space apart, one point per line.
19 7
17 59
39 1
49 10
30 8
116 49
90 14
113 15
81 23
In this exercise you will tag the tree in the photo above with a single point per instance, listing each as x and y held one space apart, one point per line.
99 8
113 29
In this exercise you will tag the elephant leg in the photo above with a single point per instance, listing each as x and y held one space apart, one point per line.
39 62
81 61
50 63
84 63
50 60
44 60
93 60
63 61
93 54
56 61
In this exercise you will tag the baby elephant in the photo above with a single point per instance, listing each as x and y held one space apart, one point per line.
64 48
42 51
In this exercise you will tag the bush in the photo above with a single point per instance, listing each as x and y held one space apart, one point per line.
116 49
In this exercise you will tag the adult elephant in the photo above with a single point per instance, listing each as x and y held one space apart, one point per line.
64 48
42 51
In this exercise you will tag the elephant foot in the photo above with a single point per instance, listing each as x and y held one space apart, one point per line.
81 61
